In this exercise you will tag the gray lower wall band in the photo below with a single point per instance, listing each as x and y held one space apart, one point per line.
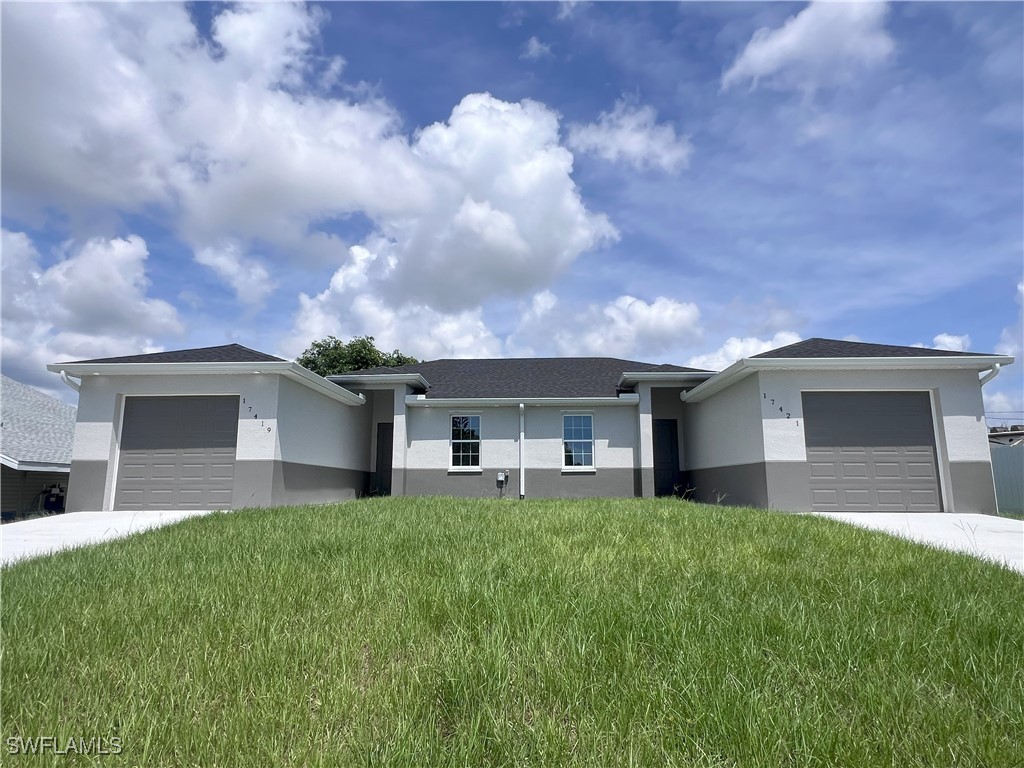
789 485
972 488
310 484
540 483
86 484
736 485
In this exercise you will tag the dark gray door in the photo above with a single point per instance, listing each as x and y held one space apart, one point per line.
177 453
385 444
871 452
666 456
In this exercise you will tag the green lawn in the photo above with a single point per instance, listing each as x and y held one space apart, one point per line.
435 632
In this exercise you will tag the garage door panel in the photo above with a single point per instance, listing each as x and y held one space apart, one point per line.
823 469
177 453
825 499
882 448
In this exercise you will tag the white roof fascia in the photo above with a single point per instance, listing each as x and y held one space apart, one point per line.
389 379
743 368
33 466
292 370
632 377
421 401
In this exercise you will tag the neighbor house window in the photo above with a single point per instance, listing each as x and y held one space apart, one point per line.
465 441
578 439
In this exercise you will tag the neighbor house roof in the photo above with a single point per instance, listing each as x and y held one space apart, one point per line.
833 348
37 431
228 353
529 377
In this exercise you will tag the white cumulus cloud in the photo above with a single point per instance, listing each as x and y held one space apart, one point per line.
630 327
827 43
250 280
631 134
952 343
93 302
736 348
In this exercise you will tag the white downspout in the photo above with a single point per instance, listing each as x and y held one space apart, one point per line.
77 386
522 450
990 375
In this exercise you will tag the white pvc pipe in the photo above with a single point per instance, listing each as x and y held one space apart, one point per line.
522 450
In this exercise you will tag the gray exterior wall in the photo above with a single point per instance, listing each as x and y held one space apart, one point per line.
973 489
20 488
294 446
740 444
541 483
428 453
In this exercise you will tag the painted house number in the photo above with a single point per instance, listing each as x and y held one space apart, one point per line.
256 415
781 409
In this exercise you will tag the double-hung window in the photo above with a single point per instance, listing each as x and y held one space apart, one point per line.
465 441
578 439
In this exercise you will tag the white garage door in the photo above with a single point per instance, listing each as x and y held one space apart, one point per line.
871 452
177 453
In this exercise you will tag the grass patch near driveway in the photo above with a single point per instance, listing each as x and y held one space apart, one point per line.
434 632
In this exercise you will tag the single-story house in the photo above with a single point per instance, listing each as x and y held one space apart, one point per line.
818 425
37 433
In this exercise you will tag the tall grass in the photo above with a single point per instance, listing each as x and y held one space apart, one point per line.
451 632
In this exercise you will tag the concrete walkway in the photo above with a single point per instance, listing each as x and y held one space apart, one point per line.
992 538
42 535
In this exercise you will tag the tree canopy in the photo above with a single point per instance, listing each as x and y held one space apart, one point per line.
331 356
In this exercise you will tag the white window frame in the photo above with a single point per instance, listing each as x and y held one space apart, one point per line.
452 442
592 467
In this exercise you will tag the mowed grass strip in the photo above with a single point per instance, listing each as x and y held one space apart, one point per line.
435 632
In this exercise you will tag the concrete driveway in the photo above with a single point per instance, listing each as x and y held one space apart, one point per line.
992 538
42 535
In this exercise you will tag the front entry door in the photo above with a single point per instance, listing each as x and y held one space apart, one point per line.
385 444
666 456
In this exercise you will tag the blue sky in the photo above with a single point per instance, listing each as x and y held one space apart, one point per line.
686 182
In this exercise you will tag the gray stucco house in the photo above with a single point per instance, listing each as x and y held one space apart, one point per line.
36 437
818 425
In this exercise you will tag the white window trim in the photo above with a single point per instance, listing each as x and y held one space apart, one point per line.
586 470
452 469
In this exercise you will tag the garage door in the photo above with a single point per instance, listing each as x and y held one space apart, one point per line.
177 453
871 452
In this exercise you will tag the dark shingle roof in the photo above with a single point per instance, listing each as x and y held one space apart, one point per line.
569 377
228 353
35 426
812 348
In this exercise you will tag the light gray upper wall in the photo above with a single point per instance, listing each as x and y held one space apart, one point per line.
316 430
429 436
957 404
725 429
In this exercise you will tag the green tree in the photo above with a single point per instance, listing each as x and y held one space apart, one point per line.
330 356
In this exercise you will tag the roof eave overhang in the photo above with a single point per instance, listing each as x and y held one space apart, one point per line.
630 378
291 370
34 466
383 379
743 368
421 401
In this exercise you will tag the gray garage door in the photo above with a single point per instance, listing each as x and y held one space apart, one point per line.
177 453
871 452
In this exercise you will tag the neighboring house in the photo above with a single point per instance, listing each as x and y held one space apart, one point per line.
818 425
37 433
